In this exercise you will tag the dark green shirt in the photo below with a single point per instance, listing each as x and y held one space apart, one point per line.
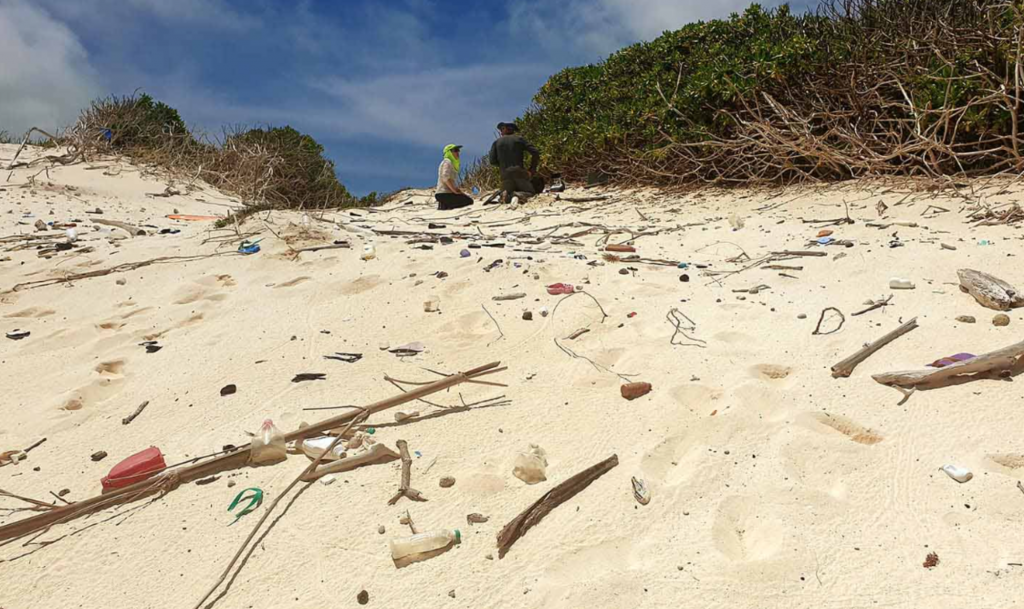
508 151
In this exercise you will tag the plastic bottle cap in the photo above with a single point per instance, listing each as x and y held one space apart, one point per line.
458 536
371 430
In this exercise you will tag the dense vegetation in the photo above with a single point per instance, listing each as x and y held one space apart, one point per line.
271 167
860 87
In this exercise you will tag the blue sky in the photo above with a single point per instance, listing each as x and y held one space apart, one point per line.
383 85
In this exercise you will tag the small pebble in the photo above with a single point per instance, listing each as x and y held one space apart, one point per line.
99 455
121 281
363 597
451 593
489 557
231 483
966 319
447 482
623 272
527 316
802 316
63 492
1001 320
380 530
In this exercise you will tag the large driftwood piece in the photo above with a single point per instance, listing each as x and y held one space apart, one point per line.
405 489
378 453
565 491
990 291
1002 360
171 478
134 231
845 367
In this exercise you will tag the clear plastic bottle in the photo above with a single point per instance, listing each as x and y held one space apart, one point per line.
423 542
268 446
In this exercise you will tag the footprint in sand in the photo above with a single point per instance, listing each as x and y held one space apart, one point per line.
1007 461
481 484
743 533
363 284
770 372
110 325
31 312
850 429
111 376
734 338
292 283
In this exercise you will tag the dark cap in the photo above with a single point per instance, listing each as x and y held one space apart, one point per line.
511 126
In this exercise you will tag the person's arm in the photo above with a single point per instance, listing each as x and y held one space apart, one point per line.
534 156
493 156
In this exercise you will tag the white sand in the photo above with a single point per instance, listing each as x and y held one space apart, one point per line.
773 484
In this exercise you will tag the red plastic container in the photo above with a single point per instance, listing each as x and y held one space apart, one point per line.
135 468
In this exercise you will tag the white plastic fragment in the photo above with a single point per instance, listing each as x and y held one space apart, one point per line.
960 474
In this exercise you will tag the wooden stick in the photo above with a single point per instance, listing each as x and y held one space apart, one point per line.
874 305
578 333
532 515
24 143
405 490
782 267
232 460
35 444
128 419
846 366
134 231
317 248
1002 360
799 253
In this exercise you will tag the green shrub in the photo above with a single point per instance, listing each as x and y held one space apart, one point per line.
860 87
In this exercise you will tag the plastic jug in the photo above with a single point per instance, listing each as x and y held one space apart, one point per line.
531 465
134 469
423 542
268 446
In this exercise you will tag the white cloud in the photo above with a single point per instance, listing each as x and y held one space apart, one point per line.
46 76
206 14
592 29
432 108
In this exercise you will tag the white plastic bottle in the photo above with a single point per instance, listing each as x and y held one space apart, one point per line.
423 542
369 252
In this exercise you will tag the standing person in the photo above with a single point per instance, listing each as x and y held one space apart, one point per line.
507 152
448 193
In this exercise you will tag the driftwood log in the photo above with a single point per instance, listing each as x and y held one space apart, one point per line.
565 491
990 291
1003 361
405 489
235 459
845 367
134 231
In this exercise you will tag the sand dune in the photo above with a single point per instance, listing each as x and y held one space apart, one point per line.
773 484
